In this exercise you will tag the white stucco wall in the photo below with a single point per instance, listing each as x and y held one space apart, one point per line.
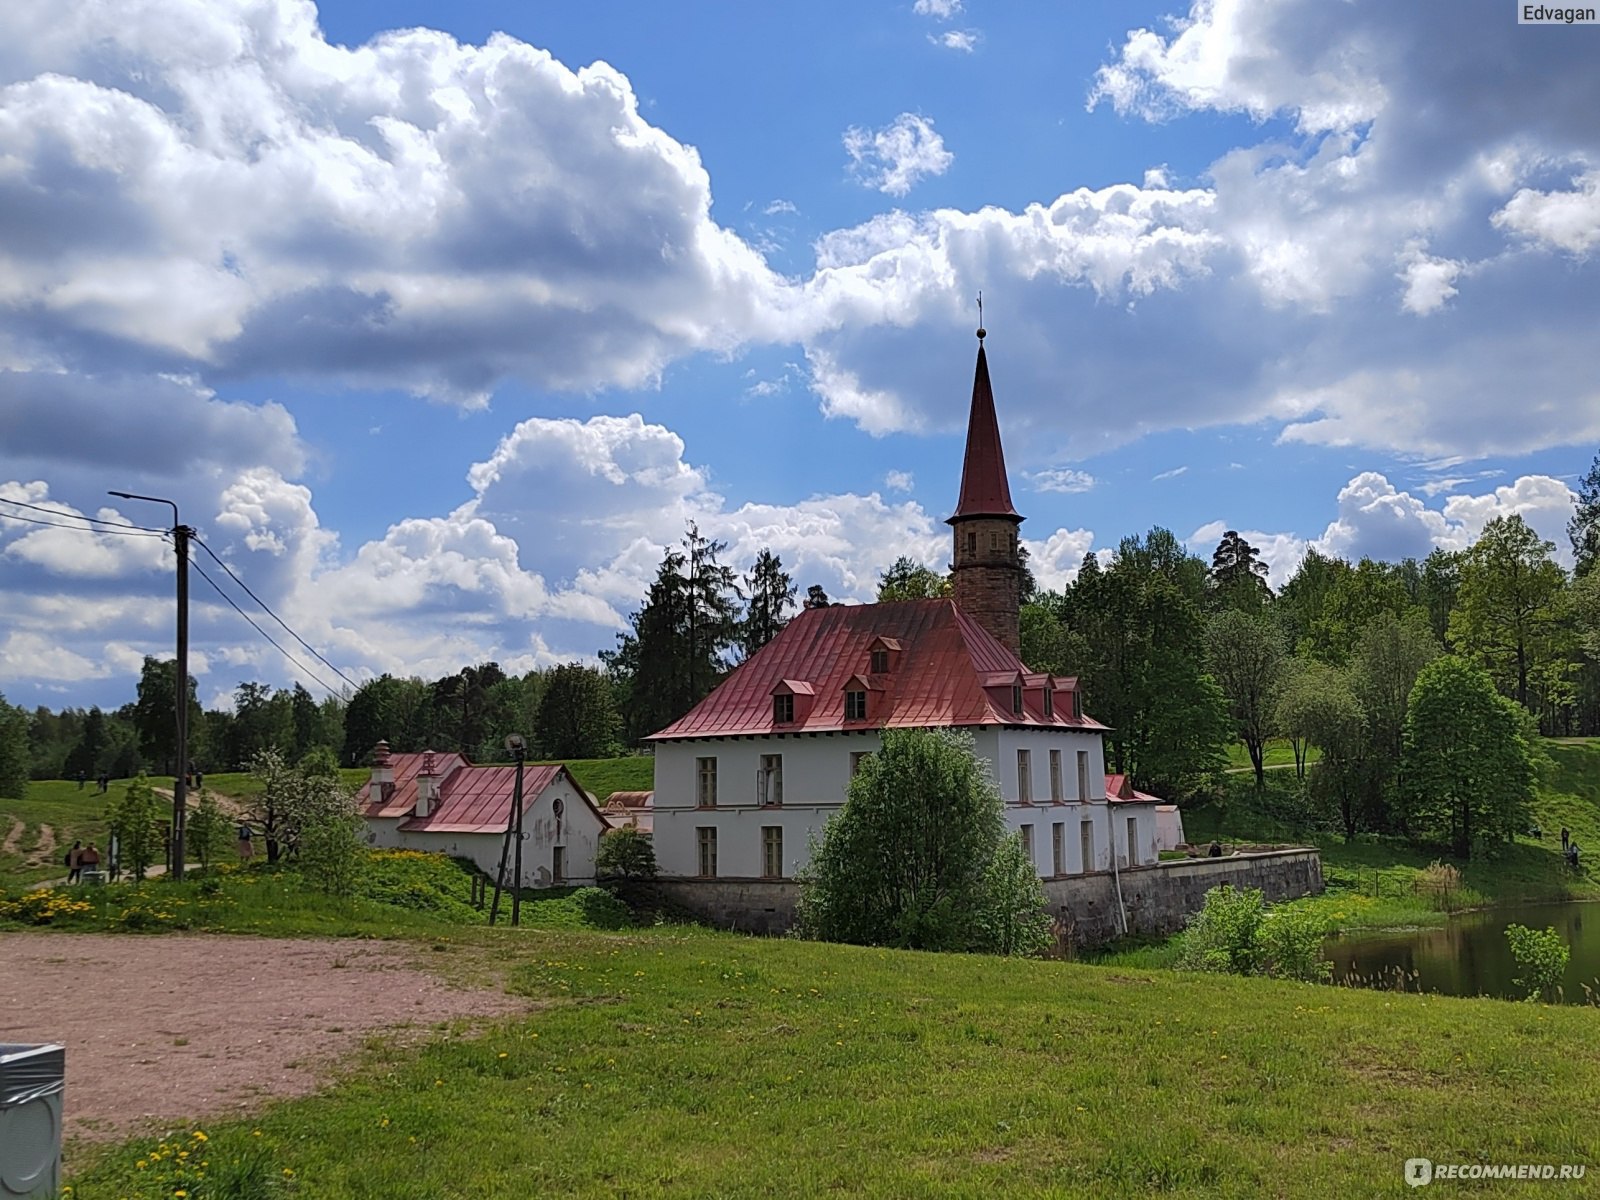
816 772
578 830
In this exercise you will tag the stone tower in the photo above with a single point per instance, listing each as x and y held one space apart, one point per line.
987 560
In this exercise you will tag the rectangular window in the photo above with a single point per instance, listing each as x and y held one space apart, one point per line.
1086 835
1027 841
772 851
1016 698
1083 774
994 542
769 780
782 710
1049 702
1058 847
707 837
558 865
855 706
1024 777
856 759
1055 776
880 662
1077 705
706 782
972 544
1133 841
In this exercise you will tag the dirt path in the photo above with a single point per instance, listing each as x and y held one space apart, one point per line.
13 842
44 850
210 1025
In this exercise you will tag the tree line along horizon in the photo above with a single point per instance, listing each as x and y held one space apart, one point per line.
1180 659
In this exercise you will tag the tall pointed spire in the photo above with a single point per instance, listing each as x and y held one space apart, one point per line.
985 491
987 559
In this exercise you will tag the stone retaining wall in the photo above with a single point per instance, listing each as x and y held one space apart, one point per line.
1158 897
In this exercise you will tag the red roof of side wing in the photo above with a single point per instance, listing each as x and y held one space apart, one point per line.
985 491
938 680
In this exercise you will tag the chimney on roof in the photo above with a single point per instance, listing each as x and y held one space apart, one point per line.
427 785
988 561
382 771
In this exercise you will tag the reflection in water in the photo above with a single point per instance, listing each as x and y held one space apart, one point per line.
1470 955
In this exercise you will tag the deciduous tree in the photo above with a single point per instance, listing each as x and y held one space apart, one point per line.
1469 764
1508 614
577 718
1246 652
907 579
916 856
1584 527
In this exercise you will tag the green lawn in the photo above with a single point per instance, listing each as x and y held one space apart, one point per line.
1277 753
602 776
686 1063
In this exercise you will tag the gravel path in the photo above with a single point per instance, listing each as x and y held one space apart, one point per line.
174 1029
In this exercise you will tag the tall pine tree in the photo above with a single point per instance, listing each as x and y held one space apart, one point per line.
772 594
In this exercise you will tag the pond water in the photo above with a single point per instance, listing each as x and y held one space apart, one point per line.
1470 956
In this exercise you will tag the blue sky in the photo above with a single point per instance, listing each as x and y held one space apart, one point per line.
441 320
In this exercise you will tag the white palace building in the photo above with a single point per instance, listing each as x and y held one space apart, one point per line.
745 778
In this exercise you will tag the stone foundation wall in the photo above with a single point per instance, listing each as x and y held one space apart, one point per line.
1158 897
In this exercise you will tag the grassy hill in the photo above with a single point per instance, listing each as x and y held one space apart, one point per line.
685 1063
1385 870
602 776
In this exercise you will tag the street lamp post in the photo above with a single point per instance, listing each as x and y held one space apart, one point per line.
180 786
518 746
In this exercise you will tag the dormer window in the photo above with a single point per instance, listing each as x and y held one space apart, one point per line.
855 706
783 710
880 662
1016 698
1049 703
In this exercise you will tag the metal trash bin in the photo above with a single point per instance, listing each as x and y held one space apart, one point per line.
33 1081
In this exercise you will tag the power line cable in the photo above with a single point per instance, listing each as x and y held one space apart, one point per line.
125 526
260 630
196 539
132 531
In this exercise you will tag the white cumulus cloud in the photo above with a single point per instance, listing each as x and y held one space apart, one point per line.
892 159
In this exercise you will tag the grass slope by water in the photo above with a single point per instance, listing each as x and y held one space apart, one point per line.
1372 882
681 1062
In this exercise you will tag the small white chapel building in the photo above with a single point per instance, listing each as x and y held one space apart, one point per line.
751 773
444 804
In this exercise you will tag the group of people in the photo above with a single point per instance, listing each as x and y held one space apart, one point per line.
103 780
1569 848
81 858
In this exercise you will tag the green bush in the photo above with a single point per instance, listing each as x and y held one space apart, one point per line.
625 854
1224 935
1291 946
1541 958
600 908
418 881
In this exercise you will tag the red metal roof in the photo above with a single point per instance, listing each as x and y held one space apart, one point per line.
945 661
1120 788
471 799
985 491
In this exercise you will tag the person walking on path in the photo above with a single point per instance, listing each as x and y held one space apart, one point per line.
247 848
1566 838
88 860
81 778
74 863
105 783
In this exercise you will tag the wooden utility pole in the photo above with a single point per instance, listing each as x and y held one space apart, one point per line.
180 787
